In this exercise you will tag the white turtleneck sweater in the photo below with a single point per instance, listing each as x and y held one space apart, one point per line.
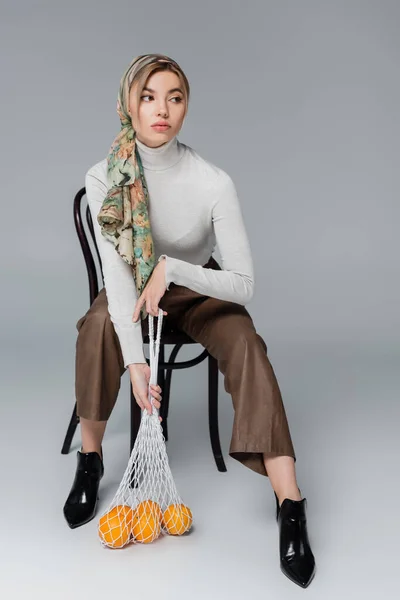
193 207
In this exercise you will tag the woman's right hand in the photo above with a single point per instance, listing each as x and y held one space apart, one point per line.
140 378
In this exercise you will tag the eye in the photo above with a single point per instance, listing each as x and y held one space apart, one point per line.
177 98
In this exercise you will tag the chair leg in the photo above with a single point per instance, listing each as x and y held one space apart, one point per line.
70 432
163 412
167 391
213 412
136 416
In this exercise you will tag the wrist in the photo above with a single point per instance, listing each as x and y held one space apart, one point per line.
166 267
134 366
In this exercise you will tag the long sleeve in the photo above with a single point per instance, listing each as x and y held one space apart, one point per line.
235 282
118 280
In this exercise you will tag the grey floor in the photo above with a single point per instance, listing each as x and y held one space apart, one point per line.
343 411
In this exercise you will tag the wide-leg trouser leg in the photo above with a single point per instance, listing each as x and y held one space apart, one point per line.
227 331
99 363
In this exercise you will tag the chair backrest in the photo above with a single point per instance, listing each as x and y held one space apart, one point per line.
83 240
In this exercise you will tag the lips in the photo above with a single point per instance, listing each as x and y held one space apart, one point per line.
161 124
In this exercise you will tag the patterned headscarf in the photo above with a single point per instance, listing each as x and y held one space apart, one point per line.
123 217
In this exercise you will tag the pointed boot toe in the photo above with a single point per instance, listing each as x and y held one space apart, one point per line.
79 514
81 504
297 561
301 572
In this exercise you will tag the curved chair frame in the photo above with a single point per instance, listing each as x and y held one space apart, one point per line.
170 336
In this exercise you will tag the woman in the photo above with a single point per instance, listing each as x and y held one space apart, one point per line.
149 175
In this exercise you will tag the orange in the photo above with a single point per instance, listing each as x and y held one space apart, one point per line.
177 519
146 526
148 506
116 525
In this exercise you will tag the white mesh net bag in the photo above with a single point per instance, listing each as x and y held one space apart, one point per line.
147 503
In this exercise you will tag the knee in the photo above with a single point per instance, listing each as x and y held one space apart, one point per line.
248 337
97 318
262 342
97 315
246 334
100 318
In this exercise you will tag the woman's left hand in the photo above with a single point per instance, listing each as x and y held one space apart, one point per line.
153 292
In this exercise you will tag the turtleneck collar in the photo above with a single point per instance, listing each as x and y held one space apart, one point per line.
163 157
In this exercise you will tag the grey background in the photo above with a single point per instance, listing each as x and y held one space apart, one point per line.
298 102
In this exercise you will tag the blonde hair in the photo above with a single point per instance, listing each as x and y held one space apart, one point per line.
161 63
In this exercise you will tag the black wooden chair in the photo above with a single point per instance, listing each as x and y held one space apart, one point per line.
168 336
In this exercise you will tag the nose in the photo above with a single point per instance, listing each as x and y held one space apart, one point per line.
162 109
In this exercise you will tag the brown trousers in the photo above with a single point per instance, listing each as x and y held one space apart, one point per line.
227 331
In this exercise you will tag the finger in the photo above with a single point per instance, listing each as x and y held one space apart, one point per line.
151 308
155 399
138 306
156 395
155 307
147 405
156 403
137 312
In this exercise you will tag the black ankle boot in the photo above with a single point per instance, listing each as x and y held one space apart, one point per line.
297 561
81 504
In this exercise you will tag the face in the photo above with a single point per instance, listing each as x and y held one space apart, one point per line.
162 99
